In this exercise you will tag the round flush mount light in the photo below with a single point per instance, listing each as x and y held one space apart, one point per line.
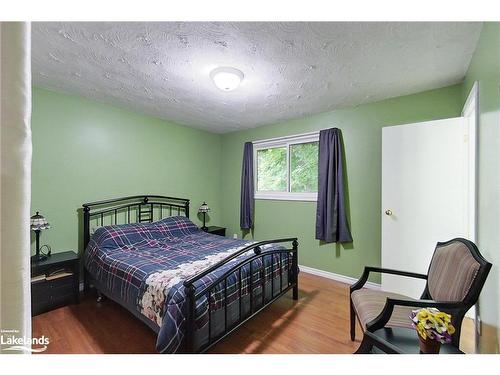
226 78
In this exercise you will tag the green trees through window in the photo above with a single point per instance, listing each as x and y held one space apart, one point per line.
272 168
304 167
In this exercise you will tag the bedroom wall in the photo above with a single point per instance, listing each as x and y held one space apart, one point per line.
485 68
361 127
86 151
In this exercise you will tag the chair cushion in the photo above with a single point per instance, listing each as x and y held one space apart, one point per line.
369 303
452 272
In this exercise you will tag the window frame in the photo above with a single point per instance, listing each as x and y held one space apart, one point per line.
276 143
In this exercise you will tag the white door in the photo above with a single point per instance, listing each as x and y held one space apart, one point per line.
425 195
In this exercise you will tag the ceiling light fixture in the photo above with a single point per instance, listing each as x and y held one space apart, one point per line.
226 78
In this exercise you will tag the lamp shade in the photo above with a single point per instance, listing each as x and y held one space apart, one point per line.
38 222
204 208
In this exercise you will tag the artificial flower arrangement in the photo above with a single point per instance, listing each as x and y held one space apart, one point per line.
432 325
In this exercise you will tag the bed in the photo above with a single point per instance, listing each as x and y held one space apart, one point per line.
190 287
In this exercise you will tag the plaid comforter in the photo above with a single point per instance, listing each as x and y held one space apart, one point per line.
142 266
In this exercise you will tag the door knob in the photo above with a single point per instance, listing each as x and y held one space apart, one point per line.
388 212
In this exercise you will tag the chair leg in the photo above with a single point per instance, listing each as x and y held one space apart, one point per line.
455 338
353 322
365 347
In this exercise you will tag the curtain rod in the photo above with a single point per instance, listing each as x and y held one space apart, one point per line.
286 137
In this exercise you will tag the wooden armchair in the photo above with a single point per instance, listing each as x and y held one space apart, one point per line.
455 278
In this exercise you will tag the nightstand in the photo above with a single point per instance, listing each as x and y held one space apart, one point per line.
55 282
220 231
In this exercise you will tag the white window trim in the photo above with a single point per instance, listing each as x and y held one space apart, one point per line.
286 196
283 142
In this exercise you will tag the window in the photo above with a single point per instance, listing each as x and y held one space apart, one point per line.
287 168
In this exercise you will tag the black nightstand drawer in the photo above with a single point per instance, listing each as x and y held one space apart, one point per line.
55 282
47 295
39 293
63 286
60 299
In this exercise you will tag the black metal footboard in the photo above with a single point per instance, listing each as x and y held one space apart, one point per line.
193 295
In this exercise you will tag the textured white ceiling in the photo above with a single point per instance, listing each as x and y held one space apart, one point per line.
291 69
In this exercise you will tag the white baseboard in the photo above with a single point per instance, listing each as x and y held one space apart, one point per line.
337 277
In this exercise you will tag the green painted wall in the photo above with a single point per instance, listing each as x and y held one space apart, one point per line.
485 68
85 151
361 127
82 152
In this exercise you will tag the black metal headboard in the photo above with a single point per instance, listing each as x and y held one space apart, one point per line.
134 209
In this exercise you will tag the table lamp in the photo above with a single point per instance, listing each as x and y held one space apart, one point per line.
38 223
204 209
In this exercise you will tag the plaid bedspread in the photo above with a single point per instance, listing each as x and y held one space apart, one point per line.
143 266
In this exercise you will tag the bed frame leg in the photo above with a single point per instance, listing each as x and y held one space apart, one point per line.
100 297
190 319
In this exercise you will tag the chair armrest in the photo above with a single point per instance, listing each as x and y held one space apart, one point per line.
424 303
364 277
384 317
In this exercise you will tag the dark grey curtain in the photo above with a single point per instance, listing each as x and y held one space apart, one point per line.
247 188
331 220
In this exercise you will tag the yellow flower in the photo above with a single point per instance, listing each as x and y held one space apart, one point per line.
430 322
451 329
421 331
422 314
440 327
443 316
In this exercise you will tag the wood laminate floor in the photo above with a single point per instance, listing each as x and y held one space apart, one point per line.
317 323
